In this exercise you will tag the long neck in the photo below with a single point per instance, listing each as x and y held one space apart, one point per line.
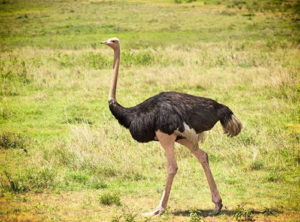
123 115
114 78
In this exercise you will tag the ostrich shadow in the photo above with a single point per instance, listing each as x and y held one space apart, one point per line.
202 213
207 213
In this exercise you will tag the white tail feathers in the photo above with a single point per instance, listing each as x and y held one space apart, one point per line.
233 126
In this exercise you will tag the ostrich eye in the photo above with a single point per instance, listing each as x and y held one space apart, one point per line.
113 41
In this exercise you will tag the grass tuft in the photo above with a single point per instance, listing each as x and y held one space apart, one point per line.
13 185
109 199
195 217
9 140
243 214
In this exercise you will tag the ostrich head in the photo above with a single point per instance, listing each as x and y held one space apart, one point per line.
114 43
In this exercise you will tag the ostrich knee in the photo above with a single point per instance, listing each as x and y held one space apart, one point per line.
204 158
172 170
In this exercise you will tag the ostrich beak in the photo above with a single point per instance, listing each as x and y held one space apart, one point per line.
103 42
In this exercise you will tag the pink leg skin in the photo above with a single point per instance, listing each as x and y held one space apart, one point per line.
167 142
203 159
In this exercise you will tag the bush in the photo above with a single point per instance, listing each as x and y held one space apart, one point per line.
109 199
140 58
91 60
12 140
194 217
127 215
184 1
243 214
79 177
96 184
30 179
13 184
96 60
15 70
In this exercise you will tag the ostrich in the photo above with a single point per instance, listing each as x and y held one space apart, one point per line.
171 117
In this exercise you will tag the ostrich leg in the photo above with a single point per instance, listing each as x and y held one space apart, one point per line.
167 142
203 159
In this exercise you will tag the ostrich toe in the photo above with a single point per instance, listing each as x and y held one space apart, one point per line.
159 211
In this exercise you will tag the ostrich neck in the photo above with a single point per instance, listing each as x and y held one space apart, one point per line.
114 78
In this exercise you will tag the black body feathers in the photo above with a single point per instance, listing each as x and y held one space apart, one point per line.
168 111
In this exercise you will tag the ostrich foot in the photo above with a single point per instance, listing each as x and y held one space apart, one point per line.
159 211
217 209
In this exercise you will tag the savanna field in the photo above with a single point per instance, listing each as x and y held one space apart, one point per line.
64 157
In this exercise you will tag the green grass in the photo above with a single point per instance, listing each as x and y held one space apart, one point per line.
61 149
